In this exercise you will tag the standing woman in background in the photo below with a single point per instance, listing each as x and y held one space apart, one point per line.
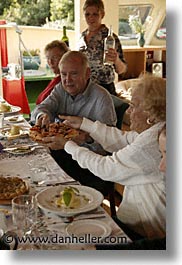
92 44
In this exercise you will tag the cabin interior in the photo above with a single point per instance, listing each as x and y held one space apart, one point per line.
140 60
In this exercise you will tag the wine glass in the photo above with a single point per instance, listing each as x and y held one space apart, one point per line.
24 216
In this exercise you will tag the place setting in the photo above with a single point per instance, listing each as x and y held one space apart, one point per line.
22 149
75 213
13 131
14 119
69 200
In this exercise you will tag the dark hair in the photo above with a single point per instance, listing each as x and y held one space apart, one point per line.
98 3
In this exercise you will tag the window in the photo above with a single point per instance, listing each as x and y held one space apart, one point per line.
161 32
125 31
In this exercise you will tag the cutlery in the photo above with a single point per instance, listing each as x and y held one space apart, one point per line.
43 183
85 216
89 216
96 214
21 146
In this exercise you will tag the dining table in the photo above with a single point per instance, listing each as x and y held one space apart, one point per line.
50 225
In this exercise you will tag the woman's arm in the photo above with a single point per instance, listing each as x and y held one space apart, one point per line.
111 138
119 63
130 166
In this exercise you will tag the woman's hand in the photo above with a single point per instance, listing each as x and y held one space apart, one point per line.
73 121
58 142
111 55
55 142
82 138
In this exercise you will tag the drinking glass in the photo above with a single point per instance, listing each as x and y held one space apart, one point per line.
38 175
24 214
38 172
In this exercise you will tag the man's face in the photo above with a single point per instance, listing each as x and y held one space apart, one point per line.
74 76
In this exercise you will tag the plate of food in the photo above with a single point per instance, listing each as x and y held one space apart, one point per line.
88 229
11 187
14 119
20 149
8 109
70 200
37 133
14 131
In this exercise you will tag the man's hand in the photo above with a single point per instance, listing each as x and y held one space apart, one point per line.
43 120
73 121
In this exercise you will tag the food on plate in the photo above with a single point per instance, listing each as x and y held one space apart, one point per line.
15 119
11 187
4 107
70 197
21 149
15 130
37 133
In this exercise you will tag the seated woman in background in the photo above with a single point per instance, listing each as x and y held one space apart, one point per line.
53 52
134 161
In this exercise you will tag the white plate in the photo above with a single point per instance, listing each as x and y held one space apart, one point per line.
89 228
14 119
21 152
6 132
46 200
14 110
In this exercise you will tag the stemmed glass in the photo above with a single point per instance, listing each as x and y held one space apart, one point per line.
24 215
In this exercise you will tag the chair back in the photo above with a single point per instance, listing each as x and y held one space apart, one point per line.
120 108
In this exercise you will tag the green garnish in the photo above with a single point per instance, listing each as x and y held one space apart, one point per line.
67 195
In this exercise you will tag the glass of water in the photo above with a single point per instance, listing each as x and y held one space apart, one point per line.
38 172
24 213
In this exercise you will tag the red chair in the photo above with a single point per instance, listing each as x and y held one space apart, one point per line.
15 94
